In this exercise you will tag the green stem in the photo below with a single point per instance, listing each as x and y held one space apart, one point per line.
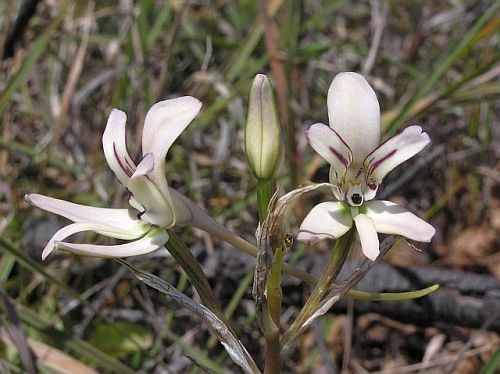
181 253
325 282
272 337
272 315
264 194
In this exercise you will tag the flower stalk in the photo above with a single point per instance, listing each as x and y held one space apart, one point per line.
272 337
271 313
264 194
324 284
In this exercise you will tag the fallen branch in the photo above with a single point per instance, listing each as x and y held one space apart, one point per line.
464 299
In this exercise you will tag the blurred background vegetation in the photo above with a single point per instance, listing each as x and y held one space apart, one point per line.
65 64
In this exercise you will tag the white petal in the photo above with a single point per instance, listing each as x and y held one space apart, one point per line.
115 146
120 220
164 122
325 220
354 113
150 242
367 235
331 147
80 227
394 151
60 235
390 218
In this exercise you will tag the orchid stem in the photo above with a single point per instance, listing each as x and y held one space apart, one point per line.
272 337
272 315
325 282
264 193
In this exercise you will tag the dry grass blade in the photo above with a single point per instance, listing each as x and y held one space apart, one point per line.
453 366
438 362
74 75
270 235
285 200
231 343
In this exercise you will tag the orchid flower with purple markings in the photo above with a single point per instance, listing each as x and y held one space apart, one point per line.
358 164
156 206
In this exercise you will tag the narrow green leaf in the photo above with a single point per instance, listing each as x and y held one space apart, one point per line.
492 365
392 296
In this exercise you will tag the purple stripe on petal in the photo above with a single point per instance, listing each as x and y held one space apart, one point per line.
341 158
125 168
381 160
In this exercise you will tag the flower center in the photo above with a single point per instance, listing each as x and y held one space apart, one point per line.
354 187
357 199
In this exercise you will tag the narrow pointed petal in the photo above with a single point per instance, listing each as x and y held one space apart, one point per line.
61 235
149 243
394 151
331 147
81 227
325 220
390 218
119 223
164 122
367 235
354 113
115 146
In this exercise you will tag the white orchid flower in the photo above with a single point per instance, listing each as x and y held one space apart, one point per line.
158 207
358 164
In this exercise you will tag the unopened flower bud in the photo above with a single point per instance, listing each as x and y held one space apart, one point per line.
262 132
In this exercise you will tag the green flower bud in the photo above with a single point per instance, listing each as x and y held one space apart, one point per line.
262 131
